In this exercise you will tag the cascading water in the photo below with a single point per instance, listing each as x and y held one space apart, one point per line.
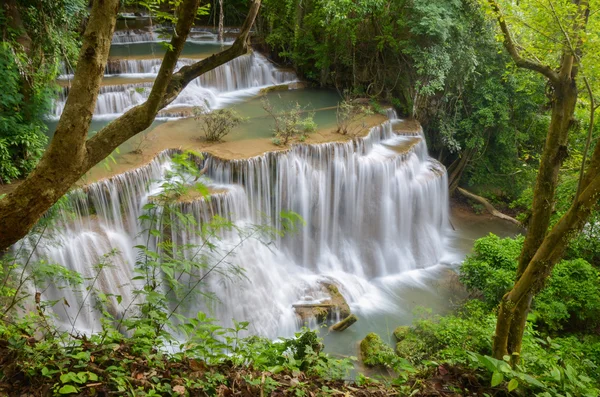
374 208
242 77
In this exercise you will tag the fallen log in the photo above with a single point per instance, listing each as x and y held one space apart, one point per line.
489 207
345 323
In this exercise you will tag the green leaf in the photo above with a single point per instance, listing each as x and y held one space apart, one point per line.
497 378
68 389
513 384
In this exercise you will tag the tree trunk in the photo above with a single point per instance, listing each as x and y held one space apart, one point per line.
535 263
457 168
70 155
555 151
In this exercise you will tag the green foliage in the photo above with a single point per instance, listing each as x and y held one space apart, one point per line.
218 123
559 366
289 123
570 299
22 131
30 59
448 338
492 267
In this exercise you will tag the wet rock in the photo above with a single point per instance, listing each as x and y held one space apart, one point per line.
281 87
338 299
324 309
298 85
375 352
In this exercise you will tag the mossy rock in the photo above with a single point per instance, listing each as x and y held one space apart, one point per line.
410 348
375 352
280 87
401 332
327 308
338 300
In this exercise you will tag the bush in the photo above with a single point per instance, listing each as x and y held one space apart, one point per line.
560 366
217 124
571 298
491 270
349 113
449 337
289 123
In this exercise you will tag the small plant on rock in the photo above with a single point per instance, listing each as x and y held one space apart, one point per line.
348 115
290 123
217 124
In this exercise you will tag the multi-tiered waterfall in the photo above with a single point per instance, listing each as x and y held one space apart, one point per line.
373 208
128 79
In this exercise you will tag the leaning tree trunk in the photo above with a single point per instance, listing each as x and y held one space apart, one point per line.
70 155
555 151
513 312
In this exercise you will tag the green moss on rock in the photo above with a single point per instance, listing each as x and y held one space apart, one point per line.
401 332
375 352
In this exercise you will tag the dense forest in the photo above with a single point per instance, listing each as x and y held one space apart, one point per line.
299 198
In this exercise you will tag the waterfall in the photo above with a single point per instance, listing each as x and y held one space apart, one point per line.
242 76
374 207
157 33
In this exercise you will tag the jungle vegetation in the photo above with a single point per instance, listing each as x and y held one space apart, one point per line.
506 93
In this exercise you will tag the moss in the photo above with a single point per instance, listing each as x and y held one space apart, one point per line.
281 87
375 352
410 348
338 300
401 332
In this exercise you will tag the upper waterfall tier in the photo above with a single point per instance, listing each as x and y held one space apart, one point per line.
159 33
373 207
243 75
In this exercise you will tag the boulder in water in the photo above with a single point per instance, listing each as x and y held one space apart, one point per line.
325 308
280 87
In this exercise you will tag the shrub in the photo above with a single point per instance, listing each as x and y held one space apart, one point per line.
491 270
217 124
349 113
289 123
449 337
571 297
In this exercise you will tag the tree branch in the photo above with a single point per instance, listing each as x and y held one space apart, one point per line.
512 49
164 91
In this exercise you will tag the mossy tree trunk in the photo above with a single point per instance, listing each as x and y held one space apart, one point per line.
542 250
70 154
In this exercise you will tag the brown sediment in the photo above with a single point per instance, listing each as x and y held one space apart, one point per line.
404 146
408 126
192 194
184 134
